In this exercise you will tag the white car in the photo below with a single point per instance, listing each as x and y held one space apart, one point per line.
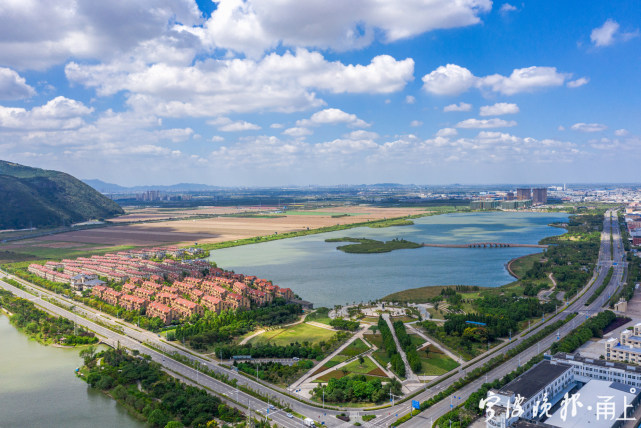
289 415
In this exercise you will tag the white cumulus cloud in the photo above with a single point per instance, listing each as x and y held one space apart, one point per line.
499 109
446 132
58 113
225 124
578 82
609 33
485 123
453 79
450 79
255 26
333 116
588 127
621 132
458 107
284 83
13 86
298 132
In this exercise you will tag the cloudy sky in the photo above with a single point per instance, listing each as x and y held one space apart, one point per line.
269 92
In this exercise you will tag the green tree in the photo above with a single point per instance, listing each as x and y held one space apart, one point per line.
157 418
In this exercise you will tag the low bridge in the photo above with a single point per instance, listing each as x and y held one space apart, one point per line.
485 245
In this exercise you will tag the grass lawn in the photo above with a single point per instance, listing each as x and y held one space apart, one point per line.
423 294
436 364
354 348
370 319
356 367
298 333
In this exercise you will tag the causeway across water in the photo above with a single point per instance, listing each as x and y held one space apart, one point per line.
485 245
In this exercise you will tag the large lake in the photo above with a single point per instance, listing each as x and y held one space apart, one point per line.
38 388
320 273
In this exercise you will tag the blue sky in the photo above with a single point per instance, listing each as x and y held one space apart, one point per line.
264 92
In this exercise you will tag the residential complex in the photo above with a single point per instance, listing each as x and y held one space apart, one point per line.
146 280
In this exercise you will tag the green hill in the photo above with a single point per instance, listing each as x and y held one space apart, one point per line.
34 197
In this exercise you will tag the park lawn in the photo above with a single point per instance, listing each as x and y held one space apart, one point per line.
436 364
322 320
297 333
358 368
354 348
370 319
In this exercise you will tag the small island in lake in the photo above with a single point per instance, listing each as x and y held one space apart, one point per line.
368 246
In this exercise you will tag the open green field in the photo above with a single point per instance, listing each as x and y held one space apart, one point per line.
436 364
319 315
298 333
368 368
354 348
421 294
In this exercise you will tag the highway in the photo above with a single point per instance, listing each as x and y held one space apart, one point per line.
133 337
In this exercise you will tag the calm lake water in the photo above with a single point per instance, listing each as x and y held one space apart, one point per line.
320 273
38 388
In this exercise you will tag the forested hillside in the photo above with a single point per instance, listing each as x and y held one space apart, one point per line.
33 197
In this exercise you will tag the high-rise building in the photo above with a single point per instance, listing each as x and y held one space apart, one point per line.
509 196
523 194
540 196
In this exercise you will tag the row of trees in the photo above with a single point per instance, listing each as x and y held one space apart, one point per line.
41 325
276 373
389 345
357 389
202 333
345 324
144 388
406 343
589 329
267 350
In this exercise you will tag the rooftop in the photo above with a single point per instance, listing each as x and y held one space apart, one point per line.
561 356
592 393
535 379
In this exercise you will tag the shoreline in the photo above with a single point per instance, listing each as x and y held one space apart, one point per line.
508 266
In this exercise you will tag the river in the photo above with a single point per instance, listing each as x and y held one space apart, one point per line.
38 388
320 273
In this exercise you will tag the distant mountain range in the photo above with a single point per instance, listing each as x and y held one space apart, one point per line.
34 197
104 187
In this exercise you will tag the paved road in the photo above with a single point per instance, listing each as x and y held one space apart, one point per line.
133 337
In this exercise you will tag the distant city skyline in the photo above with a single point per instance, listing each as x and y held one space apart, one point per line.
258 93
